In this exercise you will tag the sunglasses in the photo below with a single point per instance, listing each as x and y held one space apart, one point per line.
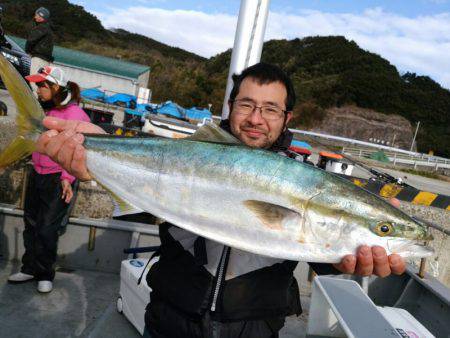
43 71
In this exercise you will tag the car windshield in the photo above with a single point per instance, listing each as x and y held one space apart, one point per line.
14 45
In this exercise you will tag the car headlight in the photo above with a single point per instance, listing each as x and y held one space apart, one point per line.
11 58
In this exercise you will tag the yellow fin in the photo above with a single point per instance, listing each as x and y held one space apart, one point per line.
18 149
29 111
271 215
123 205
210 132
29 115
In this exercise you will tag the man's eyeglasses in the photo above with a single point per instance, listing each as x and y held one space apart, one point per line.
268 112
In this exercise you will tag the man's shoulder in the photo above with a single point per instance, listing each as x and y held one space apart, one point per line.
45 26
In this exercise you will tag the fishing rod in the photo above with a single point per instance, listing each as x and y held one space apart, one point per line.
432 225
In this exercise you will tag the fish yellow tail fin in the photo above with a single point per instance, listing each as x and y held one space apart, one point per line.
19 148
29 115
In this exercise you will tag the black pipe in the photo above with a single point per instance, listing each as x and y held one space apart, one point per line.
140 250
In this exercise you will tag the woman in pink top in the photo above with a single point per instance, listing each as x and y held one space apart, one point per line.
50 188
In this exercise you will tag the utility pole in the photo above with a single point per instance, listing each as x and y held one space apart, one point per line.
248 41
414 138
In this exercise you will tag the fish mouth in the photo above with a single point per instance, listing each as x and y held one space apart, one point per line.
409 249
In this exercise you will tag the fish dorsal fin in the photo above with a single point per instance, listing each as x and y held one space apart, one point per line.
210 132
271 215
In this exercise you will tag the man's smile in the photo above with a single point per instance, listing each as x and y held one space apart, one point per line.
252 132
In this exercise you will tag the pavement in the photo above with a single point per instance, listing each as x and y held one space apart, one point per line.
417 181
82 304
420 182
12 110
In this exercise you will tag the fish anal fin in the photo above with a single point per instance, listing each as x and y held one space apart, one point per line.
271 215
210 132
124 206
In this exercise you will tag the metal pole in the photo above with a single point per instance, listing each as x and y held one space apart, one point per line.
109 224
423 264
365 284
91 241
24 186
414 138
248 41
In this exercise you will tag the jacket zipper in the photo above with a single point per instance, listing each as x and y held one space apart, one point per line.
219 277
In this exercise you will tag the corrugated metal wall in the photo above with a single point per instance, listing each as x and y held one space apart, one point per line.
110 84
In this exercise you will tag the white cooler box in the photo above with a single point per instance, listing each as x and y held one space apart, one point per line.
134 298
405 323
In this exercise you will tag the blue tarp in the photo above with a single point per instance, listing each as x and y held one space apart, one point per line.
135 112
172 109
300 144
198 113
142 109
93 94
125 98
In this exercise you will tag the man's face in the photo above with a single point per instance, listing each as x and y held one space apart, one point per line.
253 129
38 18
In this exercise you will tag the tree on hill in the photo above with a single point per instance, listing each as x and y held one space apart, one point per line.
332 72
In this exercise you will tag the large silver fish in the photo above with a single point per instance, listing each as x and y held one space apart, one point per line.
247 198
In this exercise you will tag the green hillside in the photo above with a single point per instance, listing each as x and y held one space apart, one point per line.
327 71
332 71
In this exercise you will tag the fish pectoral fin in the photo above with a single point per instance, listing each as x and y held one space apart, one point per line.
271 215
210 132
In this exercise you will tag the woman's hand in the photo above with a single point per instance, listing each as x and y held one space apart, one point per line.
67 192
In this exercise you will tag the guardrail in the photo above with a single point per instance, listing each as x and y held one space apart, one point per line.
399 158
395 154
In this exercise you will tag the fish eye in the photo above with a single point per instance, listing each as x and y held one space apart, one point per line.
384 229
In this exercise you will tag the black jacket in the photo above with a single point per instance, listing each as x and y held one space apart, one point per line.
40 41
195 275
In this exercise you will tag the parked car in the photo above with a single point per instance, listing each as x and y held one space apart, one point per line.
16 55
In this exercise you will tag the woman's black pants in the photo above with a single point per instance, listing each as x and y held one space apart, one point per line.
44 214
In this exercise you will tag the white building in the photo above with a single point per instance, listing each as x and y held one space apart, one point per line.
94 71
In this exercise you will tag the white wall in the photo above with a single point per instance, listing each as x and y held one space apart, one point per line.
110 84
143 79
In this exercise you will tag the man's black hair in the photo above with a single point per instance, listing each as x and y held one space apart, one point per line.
264 73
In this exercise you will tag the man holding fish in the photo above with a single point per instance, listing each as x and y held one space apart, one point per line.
200 287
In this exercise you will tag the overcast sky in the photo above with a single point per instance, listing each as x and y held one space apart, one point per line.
413 35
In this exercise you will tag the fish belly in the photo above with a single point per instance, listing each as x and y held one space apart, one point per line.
211 208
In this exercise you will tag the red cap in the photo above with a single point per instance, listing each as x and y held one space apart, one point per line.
48 73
